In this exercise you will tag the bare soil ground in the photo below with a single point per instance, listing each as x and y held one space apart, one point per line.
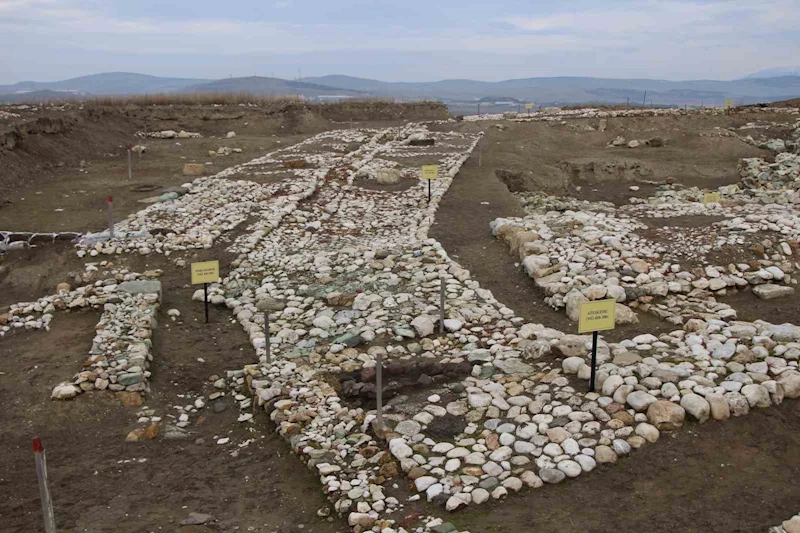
102 483
558 158
74 198
683 483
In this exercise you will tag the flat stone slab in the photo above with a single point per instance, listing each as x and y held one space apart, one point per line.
514 367
771 291
141 287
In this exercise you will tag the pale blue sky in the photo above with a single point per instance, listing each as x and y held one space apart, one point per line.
406 40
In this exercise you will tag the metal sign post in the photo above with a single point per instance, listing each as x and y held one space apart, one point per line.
441 305
130 171
111 217
44 487
430 172
596 316
379 389
266 334
205 273
205 299
595 336
264 308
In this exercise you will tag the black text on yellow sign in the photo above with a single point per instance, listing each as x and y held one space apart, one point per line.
430 172
596 316
205 272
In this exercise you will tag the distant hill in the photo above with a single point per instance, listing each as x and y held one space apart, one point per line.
568 90
264 85
542 91
775 72
40 96
106 83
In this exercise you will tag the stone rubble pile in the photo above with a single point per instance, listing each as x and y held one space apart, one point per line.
578 251
224 151
756 172
121 349
792 144
523 422
175 425
655 142
341 271
491 404
555 114
17 240
217 204
168 134
330 240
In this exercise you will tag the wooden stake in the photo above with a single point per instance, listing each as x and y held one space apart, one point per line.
44 487
111 217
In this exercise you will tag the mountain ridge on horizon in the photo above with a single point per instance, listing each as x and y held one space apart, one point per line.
555 89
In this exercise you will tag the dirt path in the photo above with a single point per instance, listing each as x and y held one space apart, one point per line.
475 198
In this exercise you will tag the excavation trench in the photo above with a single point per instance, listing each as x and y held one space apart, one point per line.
410 380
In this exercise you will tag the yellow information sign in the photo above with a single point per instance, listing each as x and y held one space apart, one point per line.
205 272
430 172
728 103
528 106
711 198
596 316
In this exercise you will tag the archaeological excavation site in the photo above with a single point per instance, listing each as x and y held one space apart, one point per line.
364 316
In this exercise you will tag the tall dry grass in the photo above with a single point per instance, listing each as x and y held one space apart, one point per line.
211 98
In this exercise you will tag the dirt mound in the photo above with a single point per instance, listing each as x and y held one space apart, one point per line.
598 171
45 142
378 110
49 138
552 157
794 102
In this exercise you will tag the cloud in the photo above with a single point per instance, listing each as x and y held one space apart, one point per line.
654 38
667 18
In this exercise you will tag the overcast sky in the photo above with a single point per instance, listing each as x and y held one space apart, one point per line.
408 40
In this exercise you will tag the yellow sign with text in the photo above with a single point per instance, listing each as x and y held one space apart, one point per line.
596 316
711 198
205 272
430 172
728 103
528 106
